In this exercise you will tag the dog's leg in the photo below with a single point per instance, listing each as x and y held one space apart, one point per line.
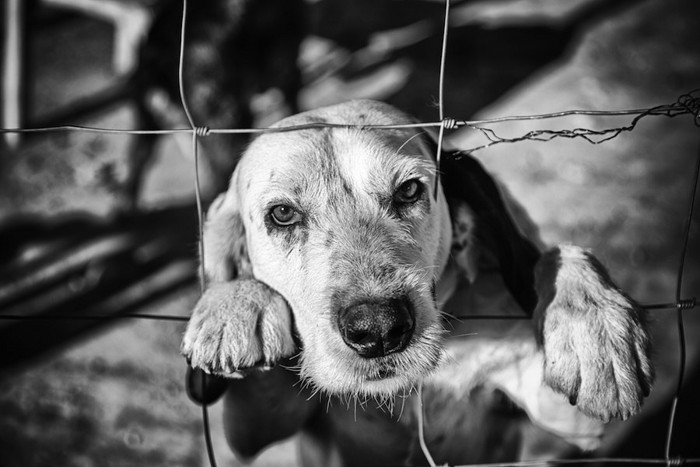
594 337
238 322
595 340
238 325
241 329
265 407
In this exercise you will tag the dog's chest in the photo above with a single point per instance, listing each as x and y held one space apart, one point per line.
481 426
466 418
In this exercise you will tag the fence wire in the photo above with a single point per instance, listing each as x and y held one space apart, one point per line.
686 104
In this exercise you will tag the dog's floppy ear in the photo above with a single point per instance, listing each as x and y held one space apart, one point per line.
225 251
464 180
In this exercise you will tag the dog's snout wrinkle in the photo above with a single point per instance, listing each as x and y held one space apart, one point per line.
376 329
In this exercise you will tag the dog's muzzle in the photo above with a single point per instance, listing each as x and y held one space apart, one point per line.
377 328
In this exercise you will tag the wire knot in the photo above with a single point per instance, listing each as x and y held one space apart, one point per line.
675 461
691 104
449 123
202 131
687 304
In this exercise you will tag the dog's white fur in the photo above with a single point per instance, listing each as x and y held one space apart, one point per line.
364 235
351 244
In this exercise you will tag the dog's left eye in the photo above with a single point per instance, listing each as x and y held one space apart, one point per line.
284 215
408 192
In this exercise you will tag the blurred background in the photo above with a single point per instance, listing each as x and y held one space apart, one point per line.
87 227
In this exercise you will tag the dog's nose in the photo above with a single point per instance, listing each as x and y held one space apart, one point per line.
375 329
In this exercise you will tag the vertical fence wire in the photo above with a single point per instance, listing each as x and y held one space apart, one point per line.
441 135
680 305
420 421
196 132
441 90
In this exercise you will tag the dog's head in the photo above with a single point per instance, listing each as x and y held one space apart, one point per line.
347 226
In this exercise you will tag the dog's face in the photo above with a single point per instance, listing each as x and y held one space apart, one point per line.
345 224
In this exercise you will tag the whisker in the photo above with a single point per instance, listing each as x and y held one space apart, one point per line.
471 334
409 140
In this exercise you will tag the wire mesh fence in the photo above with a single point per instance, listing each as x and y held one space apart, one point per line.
687 105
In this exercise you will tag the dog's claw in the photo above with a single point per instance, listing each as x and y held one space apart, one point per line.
236 327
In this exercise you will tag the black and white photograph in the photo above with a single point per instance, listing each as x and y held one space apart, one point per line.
316 233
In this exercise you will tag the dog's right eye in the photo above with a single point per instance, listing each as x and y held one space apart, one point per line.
284 215
408 192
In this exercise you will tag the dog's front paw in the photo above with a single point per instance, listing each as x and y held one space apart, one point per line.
238 325
595 339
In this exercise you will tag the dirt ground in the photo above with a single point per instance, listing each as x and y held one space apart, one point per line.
116 396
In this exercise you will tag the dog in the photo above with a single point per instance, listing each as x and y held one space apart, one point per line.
339 265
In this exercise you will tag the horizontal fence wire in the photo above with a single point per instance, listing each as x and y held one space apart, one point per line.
685 304
686 104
